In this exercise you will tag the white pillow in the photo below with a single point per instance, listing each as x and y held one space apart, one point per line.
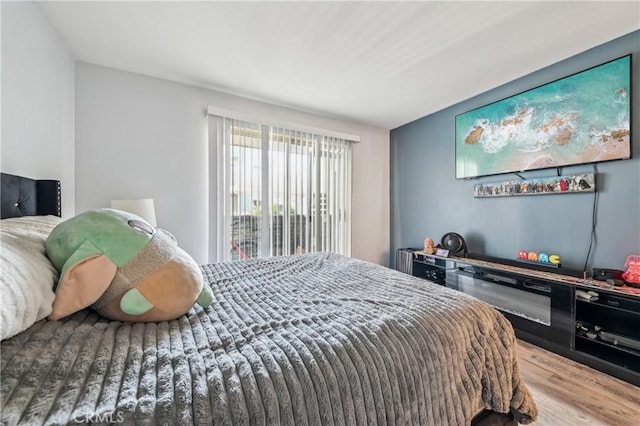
26 274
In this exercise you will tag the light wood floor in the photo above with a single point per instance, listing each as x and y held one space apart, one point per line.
569 393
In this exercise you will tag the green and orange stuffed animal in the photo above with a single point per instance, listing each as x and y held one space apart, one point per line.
123 268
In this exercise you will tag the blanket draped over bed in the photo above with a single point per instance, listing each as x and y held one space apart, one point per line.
316 339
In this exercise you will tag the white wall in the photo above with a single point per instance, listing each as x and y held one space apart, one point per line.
37 100
143 137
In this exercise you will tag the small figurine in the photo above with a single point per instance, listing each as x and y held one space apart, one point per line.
632 274
429 246
555 259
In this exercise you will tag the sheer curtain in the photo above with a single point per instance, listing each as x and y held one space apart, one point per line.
277 190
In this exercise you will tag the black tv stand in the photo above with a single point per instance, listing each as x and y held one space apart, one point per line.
545 308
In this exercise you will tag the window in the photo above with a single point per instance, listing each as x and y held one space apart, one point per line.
277 191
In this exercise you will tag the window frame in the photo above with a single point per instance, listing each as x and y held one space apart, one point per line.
218 124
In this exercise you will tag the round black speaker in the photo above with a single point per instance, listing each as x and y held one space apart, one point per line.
454 243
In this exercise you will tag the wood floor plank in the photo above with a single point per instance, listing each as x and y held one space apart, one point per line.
570 393
579 372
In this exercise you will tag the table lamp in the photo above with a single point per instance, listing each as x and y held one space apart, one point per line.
143 207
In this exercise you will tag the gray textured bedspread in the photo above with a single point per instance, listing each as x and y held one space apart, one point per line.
315 339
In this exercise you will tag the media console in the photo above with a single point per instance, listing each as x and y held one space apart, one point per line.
586 320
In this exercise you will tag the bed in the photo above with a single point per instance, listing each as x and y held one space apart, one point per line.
309 339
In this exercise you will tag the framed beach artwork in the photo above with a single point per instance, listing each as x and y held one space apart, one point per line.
579 119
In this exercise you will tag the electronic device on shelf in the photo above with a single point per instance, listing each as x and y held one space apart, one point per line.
614 282
619 340
454 243
602 274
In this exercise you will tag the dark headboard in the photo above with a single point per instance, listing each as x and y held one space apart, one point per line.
22 196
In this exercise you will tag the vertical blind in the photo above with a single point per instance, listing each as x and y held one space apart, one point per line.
277 191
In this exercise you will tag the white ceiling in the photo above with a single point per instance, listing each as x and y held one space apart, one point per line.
378 63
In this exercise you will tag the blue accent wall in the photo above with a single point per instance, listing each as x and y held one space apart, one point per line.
427 200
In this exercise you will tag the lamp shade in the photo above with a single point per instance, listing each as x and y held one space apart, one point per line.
143 207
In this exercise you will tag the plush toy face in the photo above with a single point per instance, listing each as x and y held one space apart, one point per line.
123 267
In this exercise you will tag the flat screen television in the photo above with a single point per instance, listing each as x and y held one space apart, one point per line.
582 118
